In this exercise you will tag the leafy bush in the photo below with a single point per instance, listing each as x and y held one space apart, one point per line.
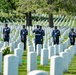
6 51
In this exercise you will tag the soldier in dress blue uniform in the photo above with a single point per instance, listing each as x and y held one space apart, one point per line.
72 36
42 34
23 34
37 36
6 32
55 35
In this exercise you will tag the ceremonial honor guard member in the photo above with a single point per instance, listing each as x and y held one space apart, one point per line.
55 35
23 34
37 36
6 33
72 36
42 34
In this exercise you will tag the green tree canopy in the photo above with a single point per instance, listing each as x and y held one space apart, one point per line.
8 5
57 6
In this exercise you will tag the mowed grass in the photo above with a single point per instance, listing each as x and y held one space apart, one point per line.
72 67
23 69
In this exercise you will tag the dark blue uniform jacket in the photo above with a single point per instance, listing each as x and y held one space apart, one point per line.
72 36
55 35
6 32
23 34
42 33
37 36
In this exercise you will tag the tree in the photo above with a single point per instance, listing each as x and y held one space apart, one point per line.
8 5
50 16
29 6
47 6
25 8
50 7
28 19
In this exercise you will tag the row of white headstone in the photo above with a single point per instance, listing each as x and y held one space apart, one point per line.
44 55
12 61
57 65
19 52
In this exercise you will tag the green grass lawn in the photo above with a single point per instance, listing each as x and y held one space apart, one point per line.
72 67
23 68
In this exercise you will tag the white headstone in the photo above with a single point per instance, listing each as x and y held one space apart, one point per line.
56 49
37 72
12 47
56 65
31 61
48 43
33 41
65 61
39 47
44 56
50 51
16 44
10 65
1 44
72 48
0 62
21 45
5 44
64 46
30 49
69 57
61 48
18 52
45 45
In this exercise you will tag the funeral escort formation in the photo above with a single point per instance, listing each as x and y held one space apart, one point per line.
39 34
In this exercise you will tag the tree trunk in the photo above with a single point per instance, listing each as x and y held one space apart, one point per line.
51 20
28 19
50 1
50 16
